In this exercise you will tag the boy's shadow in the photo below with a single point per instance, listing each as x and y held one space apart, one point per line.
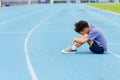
83 52
89 53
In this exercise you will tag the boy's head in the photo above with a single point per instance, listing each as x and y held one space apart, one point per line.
82 27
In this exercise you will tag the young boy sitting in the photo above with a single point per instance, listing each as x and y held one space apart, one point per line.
91 35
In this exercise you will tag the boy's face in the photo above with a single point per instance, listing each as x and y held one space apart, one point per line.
85 31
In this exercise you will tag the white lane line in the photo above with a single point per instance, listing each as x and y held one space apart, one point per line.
14 12
13 32
115 54
30 67
17 18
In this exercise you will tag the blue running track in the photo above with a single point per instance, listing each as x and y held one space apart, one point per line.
32 37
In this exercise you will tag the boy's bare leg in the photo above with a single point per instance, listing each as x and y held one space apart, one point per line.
77 43
90 42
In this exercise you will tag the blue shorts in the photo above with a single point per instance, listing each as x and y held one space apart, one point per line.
96 48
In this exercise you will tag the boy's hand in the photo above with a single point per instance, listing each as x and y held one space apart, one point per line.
77 40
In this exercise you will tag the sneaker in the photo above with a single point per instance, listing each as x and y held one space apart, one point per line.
69 50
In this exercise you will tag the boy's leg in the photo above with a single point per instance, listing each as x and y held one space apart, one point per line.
72 49
90 42
76 44
94 47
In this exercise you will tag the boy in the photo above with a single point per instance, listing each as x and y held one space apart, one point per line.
91 35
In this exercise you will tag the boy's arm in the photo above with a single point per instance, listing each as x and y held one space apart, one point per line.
79 41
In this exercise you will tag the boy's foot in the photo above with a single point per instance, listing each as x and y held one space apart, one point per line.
69 50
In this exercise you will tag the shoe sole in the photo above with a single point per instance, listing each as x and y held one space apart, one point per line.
64 52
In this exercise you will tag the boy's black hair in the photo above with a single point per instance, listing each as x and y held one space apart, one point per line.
80 26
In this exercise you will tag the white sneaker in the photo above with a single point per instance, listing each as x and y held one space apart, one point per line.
69 50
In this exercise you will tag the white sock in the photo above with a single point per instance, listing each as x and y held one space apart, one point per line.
74 47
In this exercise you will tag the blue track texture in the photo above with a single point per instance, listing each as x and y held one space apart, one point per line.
50 28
